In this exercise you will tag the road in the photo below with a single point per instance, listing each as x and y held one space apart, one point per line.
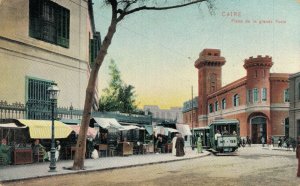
252 166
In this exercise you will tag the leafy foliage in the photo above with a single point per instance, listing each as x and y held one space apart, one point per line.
118 96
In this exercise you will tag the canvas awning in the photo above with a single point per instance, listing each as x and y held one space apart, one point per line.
171 130
71 121
149 129
129 127
11 125
41 129
184 129
107 122
91 133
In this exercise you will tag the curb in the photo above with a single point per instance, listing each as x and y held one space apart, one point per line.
286 150
100 170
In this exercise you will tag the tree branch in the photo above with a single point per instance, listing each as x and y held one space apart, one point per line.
160 8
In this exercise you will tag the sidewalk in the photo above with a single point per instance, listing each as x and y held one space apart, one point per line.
37 170
277 148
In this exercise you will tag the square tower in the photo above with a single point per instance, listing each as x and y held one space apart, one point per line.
209 65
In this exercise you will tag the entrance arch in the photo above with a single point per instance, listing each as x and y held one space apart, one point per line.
258 125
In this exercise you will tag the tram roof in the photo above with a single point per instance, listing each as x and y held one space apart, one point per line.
199 128
224 121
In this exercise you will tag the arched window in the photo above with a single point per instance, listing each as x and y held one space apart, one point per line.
255 95
216 106
286 95
236 100
210 108
264 94
223 103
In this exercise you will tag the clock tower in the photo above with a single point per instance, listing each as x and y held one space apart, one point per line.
209 65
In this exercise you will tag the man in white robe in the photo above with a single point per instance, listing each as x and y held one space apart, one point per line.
173 145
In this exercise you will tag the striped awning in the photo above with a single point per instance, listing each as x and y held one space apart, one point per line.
91 133
42 129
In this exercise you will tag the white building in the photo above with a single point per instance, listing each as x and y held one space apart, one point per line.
174 113
294 114
45 41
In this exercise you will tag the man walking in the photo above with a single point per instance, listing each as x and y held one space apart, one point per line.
179 146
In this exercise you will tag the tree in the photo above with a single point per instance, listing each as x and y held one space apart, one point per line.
127 99
109 101
119 9
118 96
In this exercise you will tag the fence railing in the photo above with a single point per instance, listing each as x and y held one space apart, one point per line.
21 111
14 110
26 111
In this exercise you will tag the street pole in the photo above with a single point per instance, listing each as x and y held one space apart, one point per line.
192 122
52 152
71 109
153 134
53 91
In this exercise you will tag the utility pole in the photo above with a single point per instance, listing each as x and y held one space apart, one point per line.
192 121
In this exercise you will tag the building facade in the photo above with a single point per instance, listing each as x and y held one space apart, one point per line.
260 100
173 114
44 41
189 113
294 115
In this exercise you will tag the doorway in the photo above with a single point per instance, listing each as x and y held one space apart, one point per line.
258 129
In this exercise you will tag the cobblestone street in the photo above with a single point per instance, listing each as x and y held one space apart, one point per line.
253 166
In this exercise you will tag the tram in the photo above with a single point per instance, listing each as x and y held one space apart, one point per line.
202 132
226 141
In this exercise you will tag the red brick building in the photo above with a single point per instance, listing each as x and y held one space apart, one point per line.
260 100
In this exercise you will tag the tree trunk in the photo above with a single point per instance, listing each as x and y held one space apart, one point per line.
90 91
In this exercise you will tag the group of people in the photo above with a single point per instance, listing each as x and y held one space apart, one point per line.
224 132
40 150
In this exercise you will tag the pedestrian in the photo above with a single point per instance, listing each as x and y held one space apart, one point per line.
243 142
280 142
95 154
159 145
217 135
294 145
263 141
179 145
248 141
298 157
57 150
272 141
173 144
4 152
199 145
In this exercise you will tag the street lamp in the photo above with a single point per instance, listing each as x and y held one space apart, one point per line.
192 121
53 91
71 109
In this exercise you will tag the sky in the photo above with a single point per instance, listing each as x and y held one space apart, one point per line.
156 50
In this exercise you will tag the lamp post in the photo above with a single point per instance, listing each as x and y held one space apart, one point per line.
53 91
71 110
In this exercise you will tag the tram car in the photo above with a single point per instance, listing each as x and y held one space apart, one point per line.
224 136
202 132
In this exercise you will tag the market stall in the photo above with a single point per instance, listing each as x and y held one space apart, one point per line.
18 143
